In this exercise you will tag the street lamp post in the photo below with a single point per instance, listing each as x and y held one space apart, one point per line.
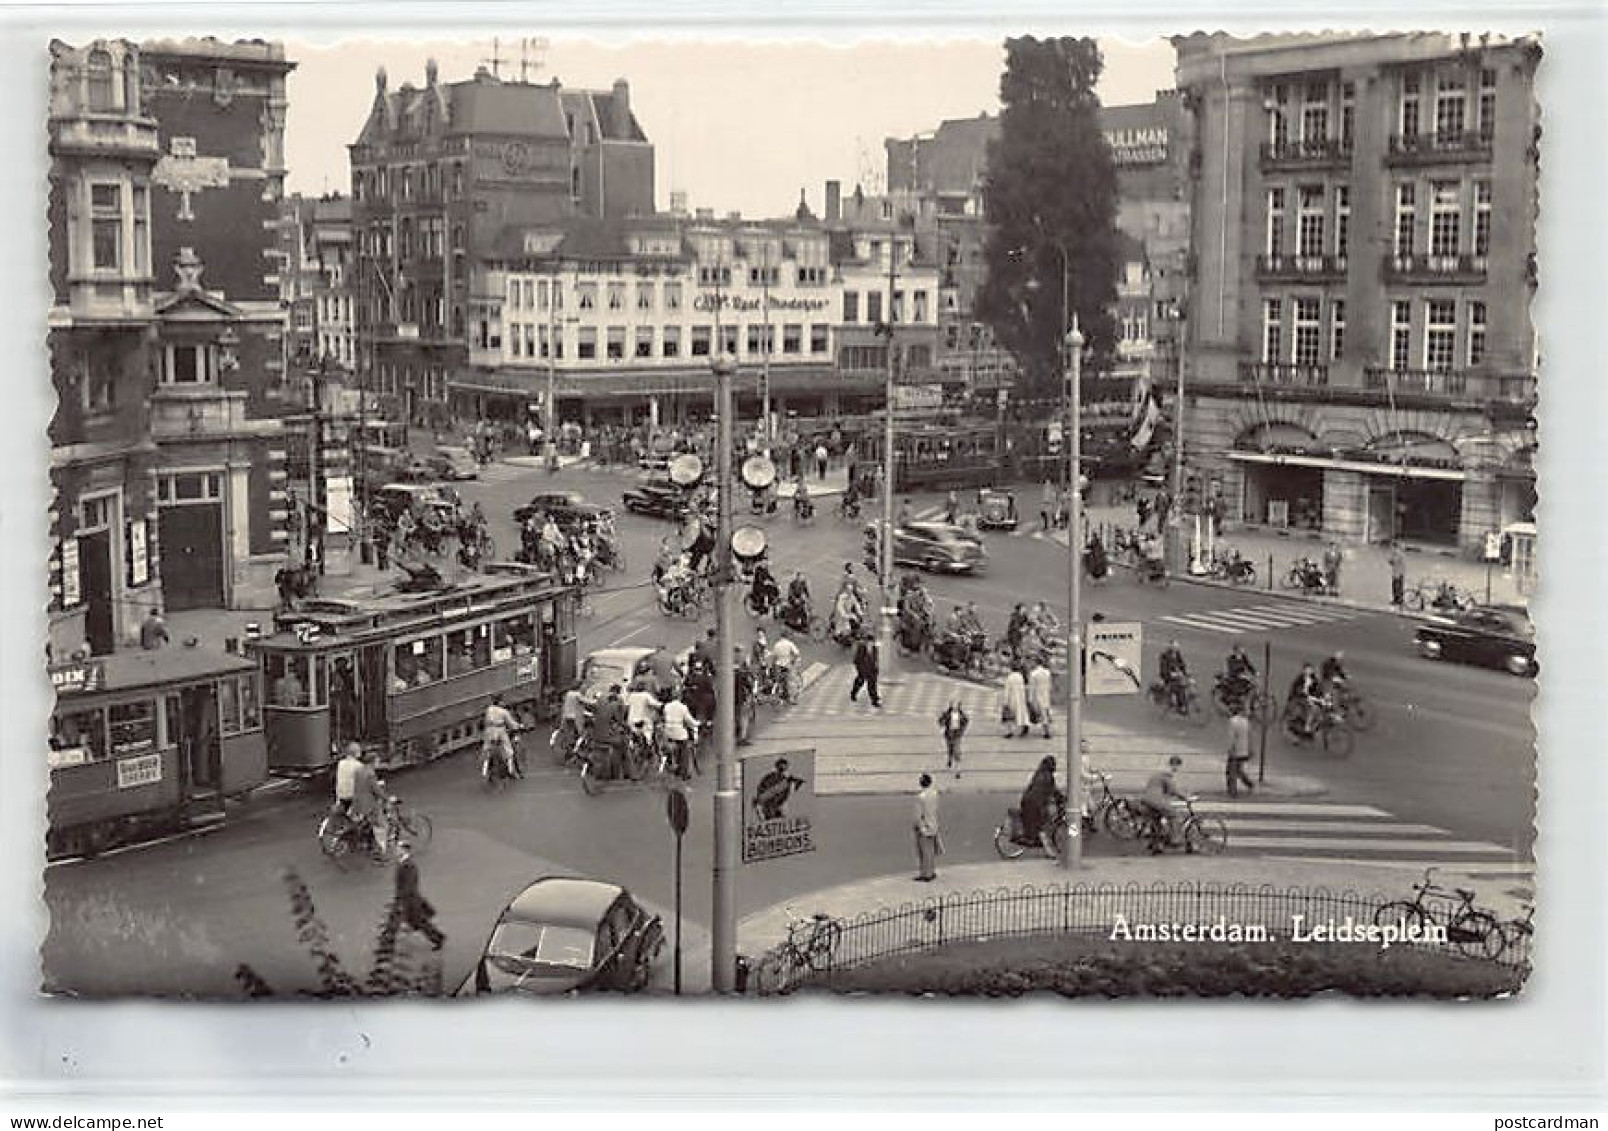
885 547
765 383
1074 593
723 946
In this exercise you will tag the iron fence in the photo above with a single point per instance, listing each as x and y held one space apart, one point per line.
1257 913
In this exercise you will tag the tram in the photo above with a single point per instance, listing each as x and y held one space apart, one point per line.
148 742
409 675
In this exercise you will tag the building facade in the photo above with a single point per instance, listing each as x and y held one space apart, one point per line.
105 568
441 177
1361 355
315 282
622 319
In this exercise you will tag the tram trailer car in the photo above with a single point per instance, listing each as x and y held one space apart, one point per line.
409 675
148 742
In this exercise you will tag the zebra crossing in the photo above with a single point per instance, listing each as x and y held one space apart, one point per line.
1259 619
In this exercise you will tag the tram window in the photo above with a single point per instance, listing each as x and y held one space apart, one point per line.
462 652
418 662
228 706
320 690
250 719
288 677
133 727
516 636
82 731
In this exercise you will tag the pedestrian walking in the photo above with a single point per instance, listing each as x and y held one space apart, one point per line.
1239 750
952 724
1047 505
820 461
929 844
153 631
1039 683
867 666
415 910
382 548
1013 704
1141 507
1398 573
1332 557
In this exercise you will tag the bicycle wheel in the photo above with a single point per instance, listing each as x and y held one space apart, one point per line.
590 785
1207 835
794 687
1338 740
1359 715
821 948
1477 935
558 745
1005 846
1409 916
1413 599
1121 821
417 828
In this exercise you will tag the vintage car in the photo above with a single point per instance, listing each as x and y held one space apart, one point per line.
420 500
565 935
568 508
657 497
937 547
1492 635
996 510
453 465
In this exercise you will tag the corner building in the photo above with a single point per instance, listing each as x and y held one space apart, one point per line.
1361 359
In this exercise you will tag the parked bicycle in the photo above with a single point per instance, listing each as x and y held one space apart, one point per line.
1206 835
1306 576
1439 596
812 943
1232 566
1519 934
1472 930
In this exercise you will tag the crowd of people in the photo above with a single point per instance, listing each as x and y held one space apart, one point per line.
576 551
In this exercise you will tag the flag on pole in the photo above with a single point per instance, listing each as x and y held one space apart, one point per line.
1147 425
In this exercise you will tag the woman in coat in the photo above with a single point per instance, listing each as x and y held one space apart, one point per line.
1013 704
1040 800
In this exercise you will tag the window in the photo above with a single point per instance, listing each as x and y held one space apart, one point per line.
99 381
187 365
818 339
1279 117
672 341
1275 223
1272 330
1310 229
586 295
142 230
919 298
644 341
1482 218
644 296
672 296
133 727
1308 331
1451 102
1445 207
761 339
1342 219
873 307
1315 115
106 226
616 343
1409 106
1401 333
728 341
558 295
1406 219
1487 109
700 341
714 276
468 649
1337 328
1440 334
586 344
616 296
102 81
418 662
79 736
792 339
530 340
851 306
1476 333
1348 114
763 276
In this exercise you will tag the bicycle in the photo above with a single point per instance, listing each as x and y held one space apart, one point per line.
812 943
1225 698
1205 835
1118 816
1357 712
1473 931
1329 727
1166 700
1518 934
1440 595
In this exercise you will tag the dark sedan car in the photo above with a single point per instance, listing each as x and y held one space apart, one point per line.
658 497
568 508
562 935
934 546
1493 635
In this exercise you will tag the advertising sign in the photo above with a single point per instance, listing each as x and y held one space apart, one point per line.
144 770
338 502
778 793
78 677
1116 659
139 560
70 592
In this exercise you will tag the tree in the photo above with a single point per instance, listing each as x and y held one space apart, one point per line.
1050 185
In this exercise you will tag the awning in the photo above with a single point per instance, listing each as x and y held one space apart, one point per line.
1397 470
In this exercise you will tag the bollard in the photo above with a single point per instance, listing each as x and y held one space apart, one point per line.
1270 571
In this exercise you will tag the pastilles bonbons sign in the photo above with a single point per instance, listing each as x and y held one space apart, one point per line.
778 805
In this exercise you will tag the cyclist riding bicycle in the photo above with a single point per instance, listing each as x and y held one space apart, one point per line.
802 506
1175 676
573 717
1239 677
641 711
1306 698
795 611
1333 672
499 726
762 591
1161 798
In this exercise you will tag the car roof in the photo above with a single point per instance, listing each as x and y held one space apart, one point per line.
566 496
564 901
449 450
629 655
937 528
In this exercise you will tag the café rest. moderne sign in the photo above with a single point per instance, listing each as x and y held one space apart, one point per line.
705 303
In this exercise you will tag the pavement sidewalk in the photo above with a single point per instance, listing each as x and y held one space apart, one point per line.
762 930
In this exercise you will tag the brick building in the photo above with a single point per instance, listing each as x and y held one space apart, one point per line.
441 175
1362 359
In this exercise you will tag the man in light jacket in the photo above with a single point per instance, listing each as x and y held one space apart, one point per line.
928 844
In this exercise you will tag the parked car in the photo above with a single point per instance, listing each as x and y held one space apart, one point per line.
419 499
934 546
566 935
1492 635
657 497
568 508
453 464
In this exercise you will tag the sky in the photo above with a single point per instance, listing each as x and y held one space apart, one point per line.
740 126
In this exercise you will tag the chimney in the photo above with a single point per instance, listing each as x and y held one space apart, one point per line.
834 202
622 108
678 202
706 214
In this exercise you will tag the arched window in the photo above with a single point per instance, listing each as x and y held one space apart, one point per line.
102 88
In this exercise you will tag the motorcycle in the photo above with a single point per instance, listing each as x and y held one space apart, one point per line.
1235 568
1307 576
